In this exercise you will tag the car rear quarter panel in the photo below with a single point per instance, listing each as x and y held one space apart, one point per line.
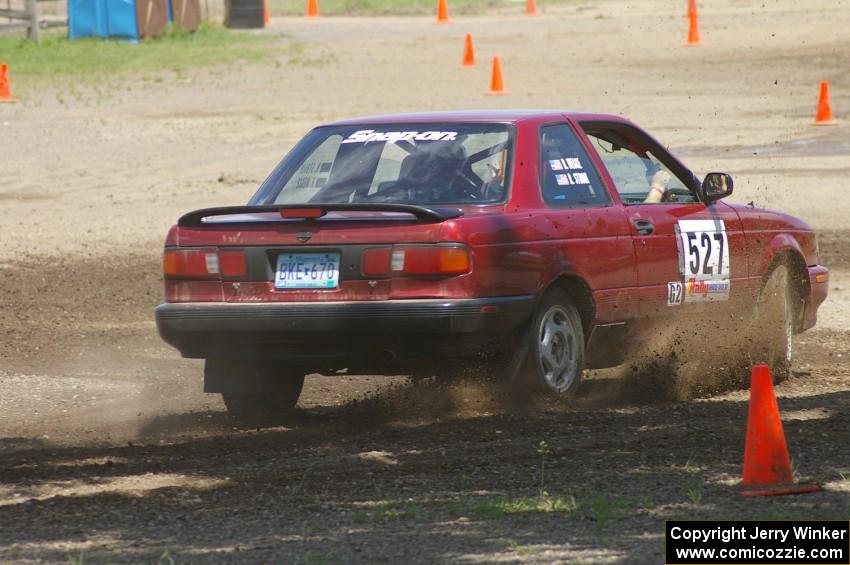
523 252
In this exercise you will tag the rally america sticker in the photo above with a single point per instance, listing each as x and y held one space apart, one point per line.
703 247
367 135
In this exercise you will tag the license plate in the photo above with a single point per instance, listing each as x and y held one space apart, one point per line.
307 270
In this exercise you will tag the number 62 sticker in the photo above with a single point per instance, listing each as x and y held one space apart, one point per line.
674 293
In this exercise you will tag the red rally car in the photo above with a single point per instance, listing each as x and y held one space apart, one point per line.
542 242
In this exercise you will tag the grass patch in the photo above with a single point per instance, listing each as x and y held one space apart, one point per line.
498 507
602 508
317 558
598 508
397 7
177 50
298 54
387 510
695 494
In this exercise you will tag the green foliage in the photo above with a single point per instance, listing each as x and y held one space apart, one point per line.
542 451
602 508
695 494
386 510
176 50
317 558
501 506
298 54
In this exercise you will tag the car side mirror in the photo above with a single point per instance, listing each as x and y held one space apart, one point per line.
716 186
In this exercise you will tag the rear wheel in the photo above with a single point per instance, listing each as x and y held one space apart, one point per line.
253 409
774 324
555 347
256 393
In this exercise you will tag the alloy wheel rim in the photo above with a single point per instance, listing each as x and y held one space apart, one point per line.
558 354
788 328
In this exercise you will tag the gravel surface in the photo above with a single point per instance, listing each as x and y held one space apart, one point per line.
110 452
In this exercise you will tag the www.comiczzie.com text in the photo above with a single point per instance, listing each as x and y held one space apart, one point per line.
763 542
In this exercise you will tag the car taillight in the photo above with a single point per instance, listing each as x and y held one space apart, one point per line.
434 260
203 263
416 260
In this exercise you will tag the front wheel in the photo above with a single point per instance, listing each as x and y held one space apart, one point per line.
555 347
774 324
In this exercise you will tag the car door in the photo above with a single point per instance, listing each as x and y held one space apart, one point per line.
573 191
689 255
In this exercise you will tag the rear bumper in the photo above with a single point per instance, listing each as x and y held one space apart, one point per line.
338 333
819 287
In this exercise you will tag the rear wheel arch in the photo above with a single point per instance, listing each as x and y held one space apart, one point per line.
578 289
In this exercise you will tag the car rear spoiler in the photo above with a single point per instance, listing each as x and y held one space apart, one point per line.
314 211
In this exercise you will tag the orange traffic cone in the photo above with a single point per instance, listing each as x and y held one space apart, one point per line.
5 89
266 16
312 8
767 467
497 86
531 7
468 52
824 116
442 12
693 28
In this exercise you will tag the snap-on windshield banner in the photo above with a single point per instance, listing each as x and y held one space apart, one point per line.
797 542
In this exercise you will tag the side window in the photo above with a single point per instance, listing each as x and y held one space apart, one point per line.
312 175
567 176
639 175
389 166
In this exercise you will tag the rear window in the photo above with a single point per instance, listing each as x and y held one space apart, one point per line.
422 164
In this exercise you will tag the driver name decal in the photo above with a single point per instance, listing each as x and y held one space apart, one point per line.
367 135
564 164
703 247
567 179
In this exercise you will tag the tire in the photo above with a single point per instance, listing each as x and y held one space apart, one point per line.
773 331
264 409
255 393
554 348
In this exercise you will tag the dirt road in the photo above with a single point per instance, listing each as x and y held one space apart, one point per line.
108 447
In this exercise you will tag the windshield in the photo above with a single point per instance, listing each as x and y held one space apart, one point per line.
422 164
